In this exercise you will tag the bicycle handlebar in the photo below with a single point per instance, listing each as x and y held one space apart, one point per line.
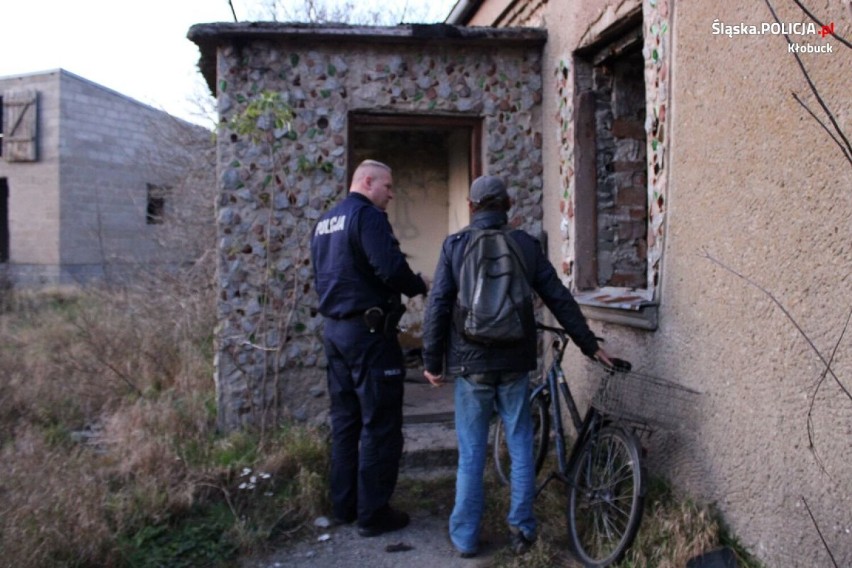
618 365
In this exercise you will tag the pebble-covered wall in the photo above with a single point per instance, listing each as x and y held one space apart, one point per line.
274 187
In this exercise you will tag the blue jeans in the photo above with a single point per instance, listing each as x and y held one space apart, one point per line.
475 404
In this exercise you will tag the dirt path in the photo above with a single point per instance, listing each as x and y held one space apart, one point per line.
422 544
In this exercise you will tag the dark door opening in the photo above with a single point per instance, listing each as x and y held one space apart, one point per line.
433 161
4 220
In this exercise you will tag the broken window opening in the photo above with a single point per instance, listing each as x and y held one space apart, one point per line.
611 164
4 220
155 209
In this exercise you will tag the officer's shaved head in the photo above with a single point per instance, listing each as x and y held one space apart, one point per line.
368 167
375 181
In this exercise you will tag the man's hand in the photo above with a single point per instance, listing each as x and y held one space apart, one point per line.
604 357
612 363
434 380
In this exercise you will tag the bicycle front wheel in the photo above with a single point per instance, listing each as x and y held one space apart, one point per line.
539 410
605 498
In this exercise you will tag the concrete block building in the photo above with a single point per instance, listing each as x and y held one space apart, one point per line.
88 179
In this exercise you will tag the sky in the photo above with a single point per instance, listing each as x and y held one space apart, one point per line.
136 48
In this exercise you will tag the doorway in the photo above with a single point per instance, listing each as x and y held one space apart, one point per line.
434 160
4 220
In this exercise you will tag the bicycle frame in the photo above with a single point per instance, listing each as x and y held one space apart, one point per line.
602 472
558 387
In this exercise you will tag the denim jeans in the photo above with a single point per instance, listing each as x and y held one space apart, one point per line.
475 405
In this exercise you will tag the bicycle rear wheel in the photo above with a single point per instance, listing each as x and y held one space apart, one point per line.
605 497
539 410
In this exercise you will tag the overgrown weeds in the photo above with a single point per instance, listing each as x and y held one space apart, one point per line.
108 449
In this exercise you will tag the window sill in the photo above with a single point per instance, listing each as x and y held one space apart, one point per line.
633 308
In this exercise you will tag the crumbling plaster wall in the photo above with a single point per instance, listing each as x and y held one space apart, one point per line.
750 178
269 357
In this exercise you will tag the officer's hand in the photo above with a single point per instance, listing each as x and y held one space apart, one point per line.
434 380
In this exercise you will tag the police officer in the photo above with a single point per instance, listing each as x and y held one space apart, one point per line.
360 273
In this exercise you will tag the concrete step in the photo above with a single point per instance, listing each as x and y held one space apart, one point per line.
430 435
430 449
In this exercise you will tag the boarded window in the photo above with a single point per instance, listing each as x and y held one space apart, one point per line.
611 164
20 126
156 204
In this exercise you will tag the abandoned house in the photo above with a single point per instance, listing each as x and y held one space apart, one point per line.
692 204
90 180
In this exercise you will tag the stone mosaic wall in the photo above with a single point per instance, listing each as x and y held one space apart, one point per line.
269 356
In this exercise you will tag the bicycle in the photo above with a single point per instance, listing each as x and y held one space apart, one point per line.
604 474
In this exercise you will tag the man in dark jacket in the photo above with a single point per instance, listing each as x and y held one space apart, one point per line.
486 376
360 274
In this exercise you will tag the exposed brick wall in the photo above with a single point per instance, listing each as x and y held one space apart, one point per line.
629 265
621 177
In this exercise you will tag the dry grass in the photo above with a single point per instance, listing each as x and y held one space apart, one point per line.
109 454
673 529
108 449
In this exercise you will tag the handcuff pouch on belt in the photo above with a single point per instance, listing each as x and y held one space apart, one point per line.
377 320
374 318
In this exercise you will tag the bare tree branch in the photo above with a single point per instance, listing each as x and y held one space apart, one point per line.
821 380
811 16
819 532
786 312
811 84
846 153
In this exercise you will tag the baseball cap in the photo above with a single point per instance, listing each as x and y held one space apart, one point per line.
487 187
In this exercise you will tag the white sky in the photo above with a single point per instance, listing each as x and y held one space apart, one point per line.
136 48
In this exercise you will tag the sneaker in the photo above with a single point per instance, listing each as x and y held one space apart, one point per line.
518 543
392 520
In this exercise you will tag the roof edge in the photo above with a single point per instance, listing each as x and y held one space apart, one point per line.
210 36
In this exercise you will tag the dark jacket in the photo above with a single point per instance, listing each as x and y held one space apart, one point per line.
357 261
444 349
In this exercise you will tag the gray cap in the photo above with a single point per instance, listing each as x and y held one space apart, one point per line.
487 187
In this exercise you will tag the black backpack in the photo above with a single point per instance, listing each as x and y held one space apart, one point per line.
494 304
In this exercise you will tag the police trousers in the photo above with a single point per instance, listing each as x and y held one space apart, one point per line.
365 384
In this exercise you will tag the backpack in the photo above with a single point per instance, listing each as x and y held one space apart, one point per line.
494 304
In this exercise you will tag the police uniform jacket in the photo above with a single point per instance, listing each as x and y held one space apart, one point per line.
443 345
357 261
